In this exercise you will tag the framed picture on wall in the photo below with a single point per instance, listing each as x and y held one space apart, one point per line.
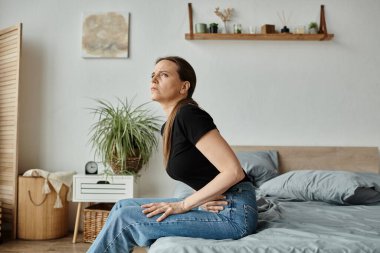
105 34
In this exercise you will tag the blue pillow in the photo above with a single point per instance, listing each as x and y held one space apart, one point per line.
260 165
339 187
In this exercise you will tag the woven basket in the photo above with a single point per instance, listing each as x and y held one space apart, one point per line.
95 217
37 219
131 164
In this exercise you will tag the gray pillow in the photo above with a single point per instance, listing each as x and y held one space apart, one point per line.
340 187
260 165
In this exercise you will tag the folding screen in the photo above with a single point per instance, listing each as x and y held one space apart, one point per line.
10 48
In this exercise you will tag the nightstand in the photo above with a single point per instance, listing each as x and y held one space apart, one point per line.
100 188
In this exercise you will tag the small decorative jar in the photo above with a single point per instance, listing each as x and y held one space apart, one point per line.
200 28
237 28
285 29
213 28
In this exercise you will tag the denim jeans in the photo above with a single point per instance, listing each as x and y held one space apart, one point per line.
127 226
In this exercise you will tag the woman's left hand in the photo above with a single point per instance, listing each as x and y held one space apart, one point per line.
166 208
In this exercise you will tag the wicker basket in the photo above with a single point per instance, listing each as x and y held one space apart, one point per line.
131 164
95 217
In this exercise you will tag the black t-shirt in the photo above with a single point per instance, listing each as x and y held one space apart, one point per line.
186 163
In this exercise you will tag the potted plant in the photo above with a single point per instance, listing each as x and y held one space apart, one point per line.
313 28
213 28
123 136
225 15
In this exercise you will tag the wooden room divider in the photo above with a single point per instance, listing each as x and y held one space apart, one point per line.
10 49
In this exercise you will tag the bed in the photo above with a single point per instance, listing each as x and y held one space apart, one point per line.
323 213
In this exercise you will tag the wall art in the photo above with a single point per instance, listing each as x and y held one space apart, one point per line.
105 35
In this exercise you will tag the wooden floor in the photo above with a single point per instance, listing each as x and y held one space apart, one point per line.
63 245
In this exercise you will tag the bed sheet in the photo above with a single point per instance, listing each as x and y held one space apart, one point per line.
290 226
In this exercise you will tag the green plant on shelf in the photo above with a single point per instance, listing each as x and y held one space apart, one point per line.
313 27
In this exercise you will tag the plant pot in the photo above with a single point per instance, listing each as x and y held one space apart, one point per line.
132 164
313 30
213 29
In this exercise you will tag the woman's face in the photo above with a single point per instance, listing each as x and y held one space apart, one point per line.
166 86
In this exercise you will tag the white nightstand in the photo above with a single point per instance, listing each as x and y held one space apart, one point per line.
100 188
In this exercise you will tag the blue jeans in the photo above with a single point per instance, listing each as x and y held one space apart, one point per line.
127 226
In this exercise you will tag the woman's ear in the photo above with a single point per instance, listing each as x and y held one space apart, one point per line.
185 87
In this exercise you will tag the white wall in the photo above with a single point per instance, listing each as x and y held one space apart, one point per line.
258 92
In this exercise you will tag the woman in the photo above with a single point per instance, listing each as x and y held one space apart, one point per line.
196 154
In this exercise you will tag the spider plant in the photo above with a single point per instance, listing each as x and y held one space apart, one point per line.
123 132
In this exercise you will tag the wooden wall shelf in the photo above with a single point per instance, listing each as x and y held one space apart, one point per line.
243 36
321 36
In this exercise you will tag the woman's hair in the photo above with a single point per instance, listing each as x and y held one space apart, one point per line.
186 73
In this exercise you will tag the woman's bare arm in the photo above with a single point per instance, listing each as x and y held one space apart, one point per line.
213 146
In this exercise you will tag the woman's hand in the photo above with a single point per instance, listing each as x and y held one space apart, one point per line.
215 205
166 208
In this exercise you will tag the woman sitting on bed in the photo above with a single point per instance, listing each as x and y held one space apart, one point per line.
196 154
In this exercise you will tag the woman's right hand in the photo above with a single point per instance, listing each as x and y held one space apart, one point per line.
215 205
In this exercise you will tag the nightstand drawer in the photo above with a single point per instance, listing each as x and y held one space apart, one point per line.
98 188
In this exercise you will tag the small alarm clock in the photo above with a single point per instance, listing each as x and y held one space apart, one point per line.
91 168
